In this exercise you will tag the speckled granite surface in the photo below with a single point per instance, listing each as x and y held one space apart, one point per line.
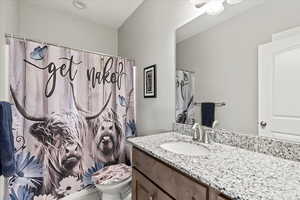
269 146
238 173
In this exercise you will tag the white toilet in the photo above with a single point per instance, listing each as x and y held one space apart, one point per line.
114 182
116 191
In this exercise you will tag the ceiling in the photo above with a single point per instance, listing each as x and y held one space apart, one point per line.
112 13
205 22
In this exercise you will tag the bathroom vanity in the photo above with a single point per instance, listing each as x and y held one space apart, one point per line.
154 180
223 173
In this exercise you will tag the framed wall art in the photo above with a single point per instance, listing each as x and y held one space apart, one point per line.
150 82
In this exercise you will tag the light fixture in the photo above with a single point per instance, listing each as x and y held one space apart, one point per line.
79 4
232 2
214 7
198 3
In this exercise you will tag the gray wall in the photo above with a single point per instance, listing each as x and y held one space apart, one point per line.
225 60
9 22
65 29
148 36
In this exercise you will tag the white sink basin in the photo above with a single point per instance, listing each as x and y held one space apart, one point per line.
186 148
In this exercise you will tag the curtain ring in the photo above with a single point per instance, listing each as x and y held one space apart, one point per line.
11 36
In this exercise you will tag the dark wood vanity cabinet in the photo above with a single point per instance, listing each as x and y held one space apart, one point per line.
143 189
154 180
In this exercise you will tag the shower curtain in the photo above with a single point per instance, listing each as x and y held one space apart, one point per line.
73 111
185 110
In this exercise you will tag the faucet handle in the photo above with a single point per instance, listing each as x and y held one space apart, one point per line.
206 139
216 122
196 126
196 129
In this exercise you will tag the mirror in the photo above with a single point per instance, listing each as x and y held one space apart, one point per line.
239 70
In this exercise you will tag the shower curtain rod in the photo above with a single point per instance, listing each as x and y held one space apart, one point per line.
7 35
184 70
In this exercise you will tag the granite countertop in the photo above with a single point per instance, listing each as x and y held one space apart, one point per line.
237 173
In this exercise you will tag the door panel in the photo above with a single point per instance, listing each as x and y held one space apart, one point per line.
143 189
279 89
286 77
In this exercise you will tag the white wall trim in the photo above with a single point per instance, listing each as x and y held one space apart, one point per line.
1 187
6 74
286 34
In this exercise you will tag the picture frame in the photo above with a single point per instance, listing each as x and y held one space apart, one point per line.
150 82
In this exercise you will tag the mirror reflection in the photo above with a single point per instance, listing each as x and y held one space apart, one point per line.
239 69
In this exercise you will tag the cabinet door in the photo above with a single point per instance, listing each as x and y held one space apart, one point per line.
177 185
143 189
215 195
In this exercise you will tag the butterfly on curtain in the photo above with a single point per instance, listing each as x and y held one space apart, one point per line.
39 53
122 101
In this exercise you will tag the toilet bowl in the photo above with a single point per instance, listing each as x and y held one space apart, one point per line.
114 182
116 191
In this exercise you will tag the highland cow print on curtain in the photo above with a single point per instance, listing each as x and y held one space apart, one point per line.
185 90
73 111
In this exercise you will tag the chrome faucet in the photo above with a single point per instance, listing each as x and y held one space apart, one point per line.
199 134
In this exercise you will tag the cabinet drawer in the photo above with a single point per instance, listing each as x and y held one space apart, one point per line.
173 182
143 189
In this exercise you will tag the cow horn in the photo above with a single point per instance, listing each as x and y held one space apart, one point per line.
23 111
78 107
101 111
83 110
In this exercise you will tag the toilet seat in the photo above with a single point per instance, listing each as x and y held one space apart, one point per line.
115 190
114 186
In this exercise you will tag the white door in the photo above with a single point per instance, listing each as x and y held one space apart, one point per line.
279 89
